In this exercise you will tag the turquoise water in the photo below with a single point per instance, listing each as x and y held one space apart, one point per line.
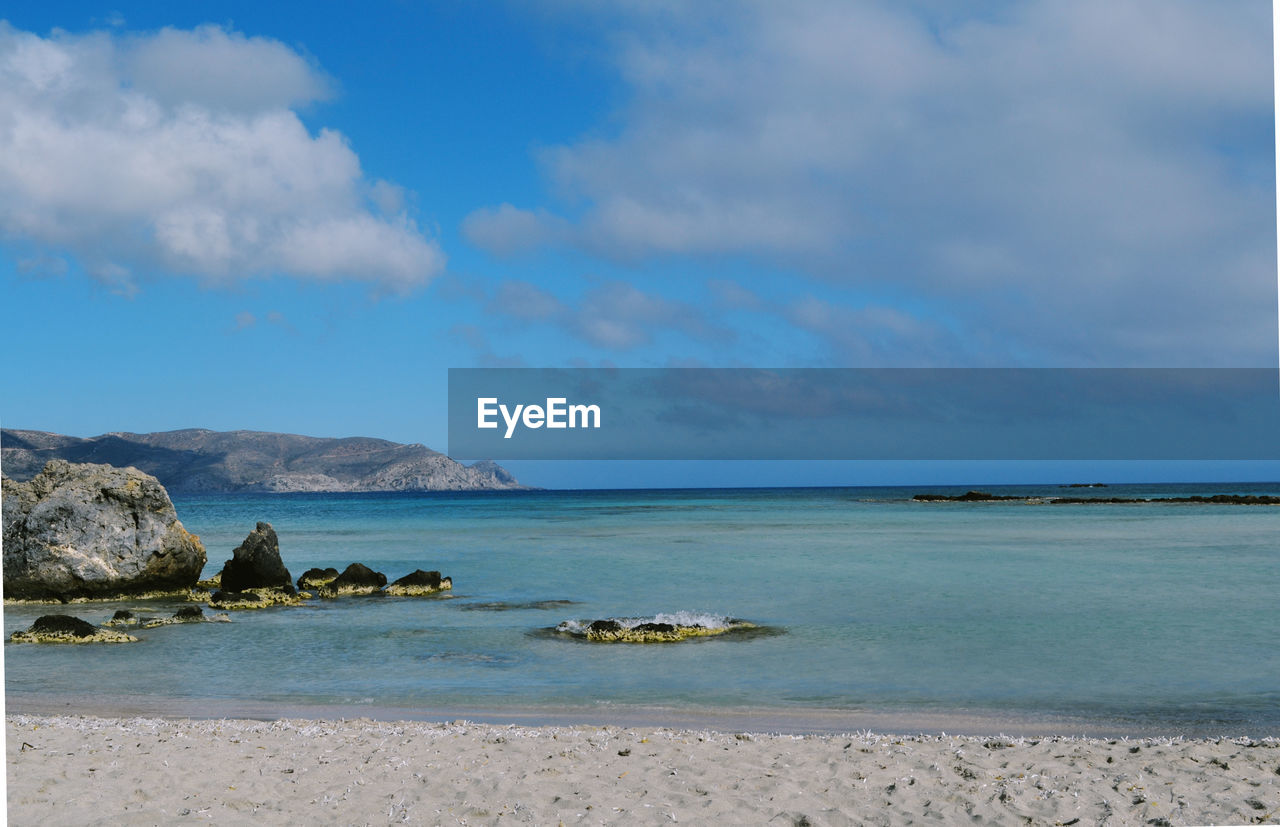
1121 617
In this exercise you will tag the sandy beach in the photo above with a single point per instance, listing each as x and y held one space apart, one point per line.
83 770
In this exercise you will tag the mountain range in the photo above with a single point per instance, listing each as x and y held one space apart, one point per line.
197 460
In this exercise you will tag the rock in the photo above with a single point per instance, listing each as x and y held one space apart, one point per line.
84 531
968 497
255 598
612 630
256 563
600 628
122 617
68 629
315 578
356 579
212 584
420 583
188 614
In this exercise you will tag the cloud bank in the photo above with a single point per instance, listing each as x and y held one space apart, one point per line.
1085 181
181 153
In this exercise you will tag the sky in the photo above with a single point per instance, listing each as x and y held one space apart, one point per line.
297 218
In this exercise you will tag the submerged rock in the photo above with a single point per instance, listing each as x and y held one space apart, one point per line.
68 629
420 583
122 617
187 614
315 578
357 579
256 563
659 629
84 531
255 598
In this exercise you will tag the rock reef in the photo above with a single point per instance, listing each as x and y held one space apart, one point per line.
985 497
420 584
356 580
94 532
188 614
659 629
68 629
315 578
255 598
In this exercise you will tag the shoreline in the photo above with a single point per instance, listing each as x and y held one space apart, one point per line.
803 721
79 769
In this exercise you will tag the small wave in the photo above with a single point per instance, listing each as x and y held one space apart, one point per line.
700 620
666 627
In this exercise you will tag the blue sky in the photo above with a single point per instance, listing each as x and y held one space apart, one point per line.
296 217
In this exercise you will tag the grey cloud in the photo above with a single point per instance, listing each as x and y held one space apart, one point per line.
1071 178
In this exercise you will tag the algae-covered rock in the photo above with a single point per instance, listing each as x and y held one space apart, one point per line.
123 617
254 599
211 585
419 584
85 531
68 629
315 578
256 563
357 579
659 629
187 614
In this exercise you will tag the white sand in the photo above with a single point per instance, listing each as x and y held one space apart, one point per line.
76 770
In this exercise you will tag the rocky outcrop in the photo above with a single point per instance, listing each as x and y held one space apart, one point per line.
984 497
188 614
254 599
196 460
68 629
123 617
256 563
315 578
420 584
639 630
357 579
94 531
967 497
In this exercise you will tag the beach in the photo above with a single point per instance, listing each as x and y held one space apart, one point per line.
84 770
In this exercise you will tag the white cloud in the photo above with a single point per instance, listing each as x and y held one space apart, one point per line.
1062 175
613 315
178 153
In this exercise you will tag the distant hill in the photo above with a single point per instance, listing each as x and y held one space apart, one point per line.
196 460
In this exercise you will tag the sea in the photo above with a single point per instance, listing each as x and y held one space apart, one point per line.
873 611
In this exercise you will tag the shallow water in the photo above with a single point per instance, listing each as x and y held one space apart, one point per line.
1128 617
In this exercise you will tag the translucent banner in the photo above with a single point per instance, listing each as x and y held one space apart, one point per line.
864 413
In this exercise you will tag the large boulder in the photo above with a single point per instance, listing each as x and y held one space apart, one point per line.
256 563
94 531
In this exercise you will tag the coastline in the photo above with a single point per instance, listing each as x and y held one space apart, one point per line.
789 720
106 770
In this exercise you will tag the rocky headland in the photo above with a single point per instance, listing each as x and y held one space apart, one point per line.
197 460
